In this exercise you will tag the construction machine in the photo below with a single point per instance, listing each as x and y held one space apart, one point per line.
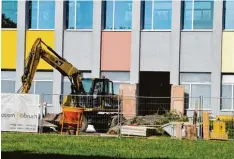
100 103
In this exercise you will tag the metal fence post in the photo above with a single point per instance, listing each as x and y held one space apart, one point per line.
118 117
41 113
200 116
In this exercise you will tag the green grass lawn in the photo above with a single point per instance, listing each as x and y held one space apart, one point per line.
40 146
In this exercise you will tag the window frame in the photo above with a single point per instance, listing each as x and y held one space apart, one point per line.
113 19
37 28
120 82
224 16
16 19
75 28
34 89
190 92
152 19
192 20
9 79
232 97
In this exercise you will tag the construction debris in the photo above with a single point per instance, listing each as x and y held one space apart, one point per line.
154 121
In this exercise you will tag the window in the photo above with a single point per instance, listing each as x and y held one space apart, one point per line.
43 87
9 13
227 100
198 14
87 83
7 86
118 15
196 85
79 14
228 14
157 14
117 78
41 14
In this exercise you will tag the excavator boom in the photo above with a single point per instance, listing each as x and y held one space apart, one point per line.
52 58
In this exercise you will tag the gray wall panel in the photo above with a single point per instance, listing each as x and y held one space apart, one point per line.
155 51
196 52
77 49
8 75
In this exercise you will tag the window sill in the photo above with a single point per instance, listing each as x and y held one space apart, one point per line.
40 30
78 30
117 30
228 30
192 109
197 30
227 110
158 30
10 29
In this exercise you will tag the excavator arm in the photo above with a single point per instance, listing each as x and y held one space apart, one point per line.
53 59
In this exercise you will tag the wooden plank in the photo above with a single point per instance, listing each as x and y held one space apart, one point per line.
206 130
137 130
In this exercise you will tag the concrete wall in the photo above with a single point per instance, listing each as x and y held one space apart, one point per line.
77 49
155 51
196 53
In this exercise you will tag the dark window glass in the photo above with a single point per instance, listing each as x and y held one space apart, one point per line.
109 15
203 14
118 15
41 14
229 14
45 88
123 15
187 20
7 86
9 13
198 14
162 14
80 14
148 15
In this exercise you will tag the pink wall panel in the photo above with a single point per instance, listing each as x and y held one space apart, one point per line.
116 51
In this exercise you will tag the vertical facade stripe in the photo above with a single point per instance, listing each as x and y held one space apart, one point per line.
175 42
22 17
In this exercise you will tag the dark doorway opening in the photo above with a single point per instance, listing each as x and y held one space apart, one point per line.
154 92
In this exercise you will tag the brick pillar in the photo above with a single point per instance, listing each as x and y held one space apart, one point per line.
128 93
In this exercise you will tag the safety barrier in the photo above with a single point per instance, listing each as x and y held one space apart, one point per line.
124 115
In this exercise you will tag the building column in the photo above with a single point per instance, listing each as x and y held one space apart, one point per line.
135 41
22 20
59 28
175 42
97 38
217 56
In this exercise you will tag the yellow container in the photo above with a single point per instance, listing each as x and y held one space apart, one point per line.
224 117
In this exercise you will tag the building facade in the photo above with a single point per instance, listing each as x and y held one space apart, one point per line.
152 44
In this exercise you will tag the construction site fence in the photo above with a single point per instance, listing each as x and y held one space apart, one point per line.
111 115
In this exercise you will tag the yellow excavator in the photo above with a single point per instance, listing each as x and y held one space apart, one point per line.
100 103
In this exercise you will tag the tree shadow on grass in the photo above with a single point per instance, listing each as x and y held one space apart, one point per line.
28 155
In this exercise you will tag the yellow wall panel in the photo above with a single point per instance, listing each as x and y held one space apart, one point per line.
228 52
47 36
8 50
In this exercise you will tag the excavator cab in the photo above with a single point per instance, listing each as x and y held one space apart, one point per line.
102 94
